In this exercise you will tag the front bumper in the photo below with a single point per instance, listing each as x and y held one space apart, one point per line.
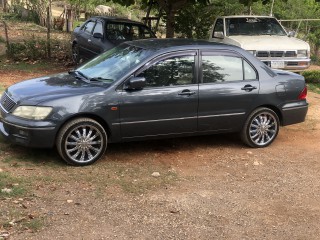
295 65
28 135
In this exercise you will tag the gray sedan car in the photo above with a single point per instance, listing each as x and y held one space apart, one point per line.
99 34
150 89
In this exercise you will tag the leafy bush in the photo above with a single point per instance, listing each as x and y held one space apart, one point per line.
314 87
32 49
36 48
2 40
312 76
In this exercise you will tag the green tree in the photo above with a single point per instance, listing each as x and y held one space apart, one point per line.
249 3
314 39
195 20
171 8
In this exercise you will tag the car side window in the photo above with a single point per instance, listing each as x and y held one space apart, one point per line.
98 28
172 71
249 72
88 27
119 31
217 68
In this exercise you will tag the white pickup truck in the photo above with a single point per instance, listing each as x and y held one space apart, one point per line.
265 38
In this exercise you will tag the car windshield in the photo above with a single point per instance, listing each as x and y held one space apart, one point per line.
114 63
253 26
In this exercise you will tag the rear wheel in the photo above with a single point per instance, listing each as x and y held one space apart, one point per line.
81 141
261 128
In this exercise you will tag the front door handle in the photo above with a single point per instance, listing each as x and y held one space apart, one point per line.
89 40
186 92
248 88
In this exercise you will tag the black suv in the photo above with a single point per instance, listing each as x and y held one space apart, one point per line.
99 34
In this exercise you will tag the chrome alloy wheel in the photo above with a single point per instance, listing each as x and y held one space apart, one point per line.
84 143
263 128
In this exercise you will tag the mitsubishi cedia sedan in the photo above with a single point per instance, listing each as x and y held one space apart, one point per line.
150 89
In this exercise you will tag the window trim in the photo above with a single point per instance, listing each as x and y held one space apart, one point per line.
191 52
214 28
84 26
96 22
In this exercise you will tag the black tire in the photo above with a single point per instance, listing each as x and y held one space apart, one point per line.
75 54
260 128
81 141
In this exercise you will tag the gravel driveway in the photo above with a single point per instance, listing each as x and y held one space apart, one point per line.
210 187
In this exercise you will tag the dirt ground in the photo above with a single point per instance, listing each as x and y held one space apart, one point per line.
210 187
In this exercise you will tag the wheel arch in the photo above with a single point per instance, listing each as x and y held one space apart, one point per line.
273 108
75 41
99 119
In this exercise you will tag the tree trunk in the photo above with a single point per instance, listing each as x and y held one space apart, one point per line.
171 7
48 31
7 37
170 24
4 5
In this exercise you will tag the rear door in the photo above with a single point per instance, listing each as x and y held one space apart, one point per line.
227 92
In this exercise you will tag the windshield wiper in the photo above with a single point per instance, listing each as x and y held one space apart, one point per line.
101 79
79 74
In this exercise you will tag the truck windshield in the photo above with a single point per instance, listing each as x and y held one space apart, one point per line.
253 26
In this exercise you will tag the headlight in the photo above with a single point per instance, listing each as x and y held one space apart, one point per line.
32 112
302 53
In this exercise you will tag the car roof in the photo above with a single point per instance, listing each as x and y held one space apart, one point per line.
245 16
158 44
116 19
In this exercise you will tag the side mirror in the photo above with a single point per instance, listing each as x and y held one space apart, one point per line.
97 35
136 83
292 34
218 35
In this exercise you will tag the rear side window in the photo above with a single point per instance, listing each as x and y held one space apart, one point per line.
249 72
217 68
119 31
127 32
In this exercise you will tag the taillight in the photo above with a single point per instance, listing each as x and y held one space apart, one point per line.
303 94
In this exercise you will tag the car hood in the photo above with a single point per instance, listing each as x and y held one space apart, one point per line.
268 42
35 91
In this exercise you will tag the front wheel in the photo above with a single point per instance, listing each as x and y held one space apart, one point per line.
260 128
76 54
81 141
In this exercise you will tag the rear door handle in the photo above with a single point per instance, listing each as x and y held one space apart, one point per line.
248 88
89 40
186 92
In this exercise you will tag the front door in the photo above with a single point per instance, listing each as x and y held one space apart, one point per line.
168 103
